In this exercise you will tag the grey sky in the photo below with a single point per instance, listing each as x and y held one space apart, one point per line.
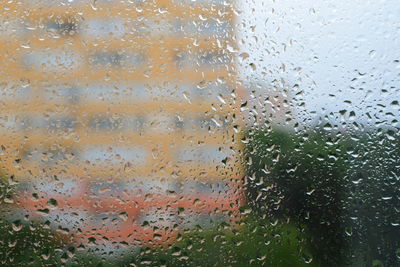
343 54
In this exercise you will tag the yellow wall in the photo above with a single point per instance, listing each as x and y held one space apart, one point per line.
127 81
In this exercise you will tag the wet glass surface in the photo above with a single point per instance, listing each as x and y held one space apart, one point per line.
199 133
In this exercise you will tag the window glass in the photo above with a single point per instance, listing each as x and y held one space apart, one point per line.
199 133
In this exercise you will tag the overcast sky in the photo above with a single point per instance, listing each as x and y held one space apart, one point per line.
344 55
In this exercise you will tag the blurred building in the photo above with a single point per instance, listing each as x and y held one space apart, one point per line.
119 118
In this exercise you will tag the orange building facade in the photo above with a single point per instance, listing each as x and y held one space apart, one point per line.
120 118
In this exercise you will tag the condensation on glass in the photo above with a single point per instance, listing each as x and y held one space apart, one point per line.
199 133
116 122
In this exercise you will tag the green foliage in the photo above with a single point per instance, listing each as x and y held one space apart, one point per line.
28 244
302 178
256 242
343 188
